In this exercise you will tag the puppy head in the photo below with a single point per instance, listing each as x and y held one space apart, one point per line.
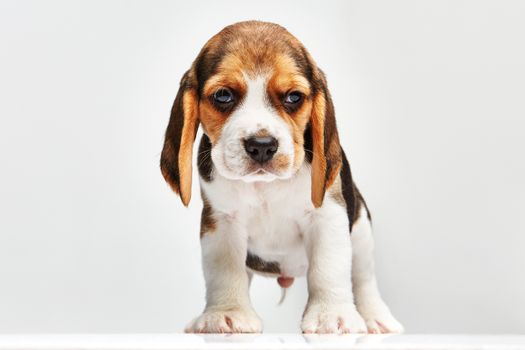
264 105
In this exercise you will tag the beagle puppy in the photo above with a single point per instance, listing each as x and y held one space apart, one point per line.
278 194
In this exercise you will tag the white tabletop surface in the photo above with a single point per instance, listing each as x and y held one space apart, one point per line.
258 341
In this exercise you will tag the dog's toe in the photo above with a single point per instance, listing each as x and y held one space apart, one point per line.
229 321
379 319
333 319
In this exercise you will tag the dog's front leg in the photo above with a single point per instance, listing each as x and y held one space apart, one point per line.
330 307
228 308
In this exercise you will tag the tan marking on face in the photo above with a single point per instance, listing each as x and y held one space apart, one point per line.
229 75
262 133
212 120
280 163
254 49
231 78
249 50
286 78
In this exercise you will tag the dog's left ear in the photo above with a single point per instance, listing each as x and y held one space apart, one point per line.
326 161
176 157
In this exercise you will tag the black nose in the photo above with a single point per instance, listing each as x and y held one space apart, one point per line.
261 149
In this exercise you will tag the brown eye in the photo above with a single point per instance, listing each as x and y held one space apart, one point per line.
293 98
223 96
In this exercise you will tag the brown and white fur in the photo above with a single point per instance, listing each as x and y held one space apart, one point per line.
299 212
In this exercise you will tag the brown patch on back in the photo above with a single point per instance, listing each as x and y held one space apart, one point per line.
362 203
353 200
336 192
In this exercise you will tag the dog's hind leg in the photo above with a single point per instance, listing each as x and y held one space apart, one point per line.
368 300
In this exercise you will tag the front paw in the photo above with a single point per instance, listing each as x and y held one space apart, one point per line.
332 318
227 321
378 317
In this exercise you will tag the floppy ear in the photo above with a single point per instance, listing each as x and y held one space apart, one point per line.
176 157
326 160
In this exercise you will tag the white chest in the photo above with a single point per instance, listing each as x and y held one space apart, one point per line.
275 237
272 215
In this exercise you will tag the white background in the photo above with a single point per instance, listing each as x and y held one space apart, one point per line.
430 103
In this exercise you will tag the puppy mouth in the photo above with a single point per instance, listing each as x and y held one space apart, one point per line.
239 167
252 171
256 168
260 171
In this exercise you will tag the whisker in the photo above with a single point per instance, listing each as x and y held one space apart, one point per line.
205 151
205 158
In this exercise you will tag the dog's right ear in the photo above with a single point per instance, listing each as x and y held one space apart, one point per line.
176 157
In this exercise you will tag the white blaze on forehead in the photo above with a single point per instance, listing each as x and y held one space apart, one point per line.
254 114
256 100
255 111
